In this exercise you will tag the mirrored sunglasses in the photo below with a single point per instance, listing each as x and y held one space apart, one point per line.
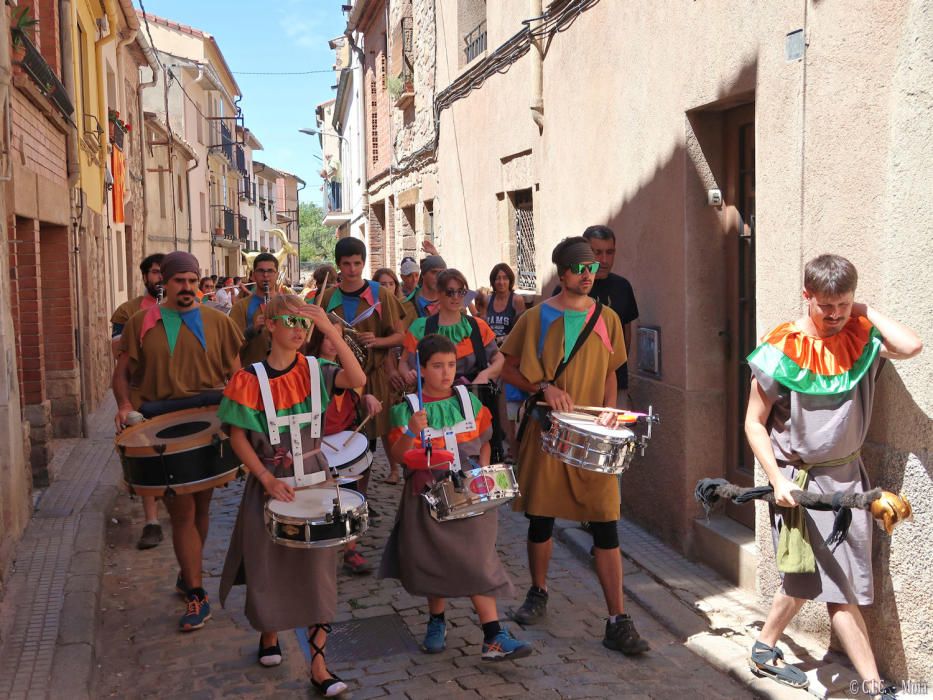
580 268
291 321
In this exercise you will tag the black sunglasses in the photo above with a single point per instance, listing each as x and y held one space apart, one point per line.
455 293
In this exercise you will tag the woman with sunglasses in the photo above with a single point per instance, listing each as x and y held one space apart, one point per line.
478 358
286 588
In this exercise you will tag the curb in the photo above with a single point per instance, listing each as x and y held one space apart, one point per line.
682 621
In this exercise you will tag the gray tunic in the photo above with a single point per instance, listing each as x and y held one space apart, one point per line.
449 559
809 429
286 588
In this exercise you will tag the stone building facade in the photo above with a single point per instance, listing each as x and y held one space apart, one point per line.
721 152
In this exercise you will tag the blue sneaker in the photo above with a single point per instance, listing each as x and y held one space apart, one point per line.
198 612
436 636
505 646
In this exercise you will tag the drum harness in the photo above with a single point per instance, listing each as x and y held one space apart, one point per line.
449 434
294 421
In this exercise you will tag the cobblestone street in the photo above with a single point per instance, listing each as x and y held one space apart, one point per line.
141 654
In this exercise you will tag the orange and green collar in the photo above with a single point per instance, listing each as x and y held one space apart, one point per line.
818 366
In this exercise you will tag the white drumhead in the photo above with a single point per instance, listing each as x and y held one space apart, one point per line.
344 456
588 424
310 503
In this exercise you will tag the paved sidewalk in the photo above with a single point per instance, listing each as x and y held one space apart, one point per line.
47 616
142 654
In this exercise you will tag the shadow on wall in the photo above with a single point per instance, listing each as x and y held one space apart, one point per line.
903 585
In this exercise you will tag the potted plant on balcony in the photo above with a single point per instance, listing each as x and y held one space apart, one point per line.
118 128
22 26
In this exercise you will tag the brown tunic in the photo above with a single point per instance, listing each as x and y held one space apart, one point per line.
384 324
127 310
156 375
549 487
257 347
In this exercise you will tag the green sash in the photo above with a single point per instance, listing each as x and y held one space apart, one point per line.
794 552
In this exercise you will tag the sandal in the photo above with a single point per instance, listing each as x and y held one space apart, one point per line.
763 662
392 480
329 687
889 692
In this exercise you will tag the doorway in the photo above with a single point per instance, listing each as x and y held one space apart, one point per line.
739 207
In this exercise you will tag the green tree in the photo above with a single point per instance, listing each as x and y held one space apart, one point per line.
317 240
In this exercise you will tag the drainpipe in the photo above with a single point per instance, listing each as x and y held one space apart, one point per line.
197 162
111 16
537 70
140 131
68 78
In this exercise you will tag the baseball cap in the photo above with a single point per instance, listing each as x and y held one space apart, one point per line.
433 262
409 266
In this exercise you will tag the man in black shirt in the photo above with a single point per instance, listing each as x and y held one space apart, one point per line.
613 291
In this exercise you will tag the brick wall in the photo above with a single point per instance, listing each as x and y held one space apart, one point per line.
25 234
377 253
40 146
376 97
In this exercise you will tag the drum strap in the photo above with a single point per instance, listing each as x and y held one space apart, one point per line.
450 433
294 421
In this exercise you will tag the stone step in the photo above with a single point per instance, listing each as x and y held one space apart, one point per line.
728 547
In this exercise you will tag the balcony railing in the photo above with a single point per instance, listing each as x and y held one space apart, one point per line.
243 228
475 42
229 224
333 196
42 74
240 159
226 142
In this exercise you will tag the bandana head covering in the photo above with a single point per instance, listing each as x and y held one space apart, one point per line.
179 261
432 262
408 267
571 251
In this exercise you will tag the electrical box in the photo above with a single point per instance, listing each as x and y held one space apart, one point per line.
714 198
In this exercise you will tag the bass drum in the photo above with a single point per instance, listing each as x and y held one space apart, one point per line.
179 452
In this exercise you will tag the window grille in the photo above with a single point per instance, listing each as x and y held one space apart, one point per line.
525 240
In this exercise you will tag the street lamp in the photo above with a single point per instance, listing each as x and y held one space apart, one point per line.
317 132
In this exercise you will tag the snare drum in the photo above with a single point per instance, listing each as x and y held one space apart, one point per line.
577 440
352 460
180 452
471 493
314 519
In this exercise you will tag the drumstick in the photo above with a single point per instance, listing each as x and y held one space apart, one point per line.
320 297
427 445
329 445
358 429
600 409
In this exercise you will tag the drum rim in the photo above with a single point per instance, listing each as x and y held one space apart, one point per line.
345 465
295 520
176 446
222 478
556 418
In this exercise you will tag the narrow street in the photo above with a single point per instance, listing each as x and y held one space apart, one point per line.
374 644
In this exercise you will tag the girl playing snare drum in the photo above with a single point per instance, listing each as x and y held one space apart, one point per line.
457 557
285 588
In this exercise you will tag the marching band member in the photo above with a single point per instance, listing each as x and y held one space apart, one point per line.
456 558
344 412
377 318
151 269
285 587
809 409
247 312
176 351
565 351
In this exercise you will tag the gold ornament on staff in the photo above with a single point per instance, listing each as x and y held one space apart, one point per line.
281 254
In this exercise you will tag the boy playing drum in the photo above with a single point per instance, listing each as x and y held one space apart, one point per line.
452 558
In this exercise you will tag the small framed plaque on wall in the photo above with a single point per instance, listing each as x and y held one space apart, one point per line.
649 350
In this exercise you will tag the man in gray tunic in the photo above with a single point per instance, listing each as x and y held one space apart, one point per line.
808 414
